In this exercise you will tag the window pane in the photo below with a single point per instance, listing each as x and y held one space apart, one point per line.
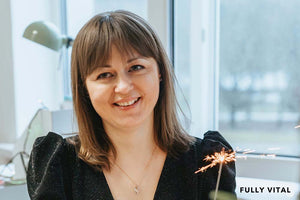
259 74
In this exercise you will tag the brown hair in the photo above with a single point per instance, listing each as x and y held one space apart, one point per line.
91 48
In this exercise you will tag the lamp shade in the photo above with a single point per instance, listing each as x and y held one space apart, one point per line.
46 34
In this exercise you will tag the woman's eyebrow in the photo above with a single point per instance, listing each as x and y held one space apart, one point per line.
103 66
128 61
100 68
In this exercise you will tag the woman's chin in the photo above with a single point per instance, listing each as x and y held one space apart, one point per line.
129 124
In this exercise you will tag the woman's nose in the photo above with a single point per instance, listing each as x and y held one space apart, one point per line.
124 84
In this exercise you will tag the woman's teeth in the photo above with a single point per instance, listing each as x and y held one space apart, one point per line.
127 103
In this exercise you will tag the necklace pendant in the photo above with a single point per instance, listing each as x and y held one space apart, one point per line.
136 190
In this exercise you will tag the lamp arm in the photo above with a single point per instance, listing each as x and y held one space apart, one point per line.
67 41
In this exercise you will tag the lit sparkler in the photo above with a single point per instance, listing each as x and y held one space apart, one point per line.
217 158
221 158
298 126
224 157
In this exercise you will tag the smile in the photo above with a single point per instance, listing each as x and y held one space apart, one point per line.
129 103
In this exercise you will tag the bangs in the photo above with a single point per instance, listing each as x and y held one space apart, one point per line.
127 34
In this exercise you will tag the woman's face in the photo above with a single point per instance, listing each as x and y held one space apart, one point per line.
124 92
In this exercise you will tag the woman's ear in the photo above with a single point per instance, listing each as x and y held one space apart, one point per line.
160 79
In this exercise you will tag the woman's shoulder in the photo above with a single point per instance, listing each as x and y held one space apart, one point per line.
53 143
52 149
55 139
50 165
212 141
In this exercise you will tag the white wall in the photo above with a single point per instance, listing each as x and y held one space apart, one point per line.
29 72
7 109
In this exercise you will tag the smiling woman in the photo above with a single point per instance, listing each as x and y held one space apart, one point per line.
130 144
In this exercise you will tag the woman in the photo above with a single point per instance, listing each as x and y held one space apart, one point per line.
130 144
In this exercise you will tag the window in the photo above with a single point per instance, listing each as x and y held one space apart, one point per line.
237 64
259 75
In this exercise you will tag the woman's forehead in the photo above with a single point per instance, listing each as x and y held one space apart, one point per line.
126 50
128 54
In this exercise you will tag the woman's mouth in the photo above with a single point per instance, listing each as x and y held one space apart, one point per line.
128 103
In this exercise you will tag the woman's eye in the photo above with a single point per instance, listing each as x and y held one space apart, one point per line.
136 68
104 75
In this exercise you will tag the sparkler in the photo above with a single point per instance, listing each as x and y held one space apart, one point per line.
224 157
298 126
221 158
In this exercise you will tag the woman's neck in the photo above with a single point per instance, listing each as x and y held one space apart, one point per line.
134 142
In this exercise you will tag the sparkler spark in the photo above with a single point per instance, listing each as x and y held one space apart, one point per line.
238 149
242 157
221 158
248 151
271 155
217 158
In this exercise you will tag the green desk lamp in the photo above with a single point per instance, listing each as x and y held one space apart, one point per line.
47 34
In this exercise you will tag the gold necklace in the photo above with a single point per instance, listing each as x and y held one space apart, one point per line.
136 188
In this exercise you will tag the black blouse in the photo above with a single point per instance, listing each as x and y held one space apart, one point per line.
56 173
